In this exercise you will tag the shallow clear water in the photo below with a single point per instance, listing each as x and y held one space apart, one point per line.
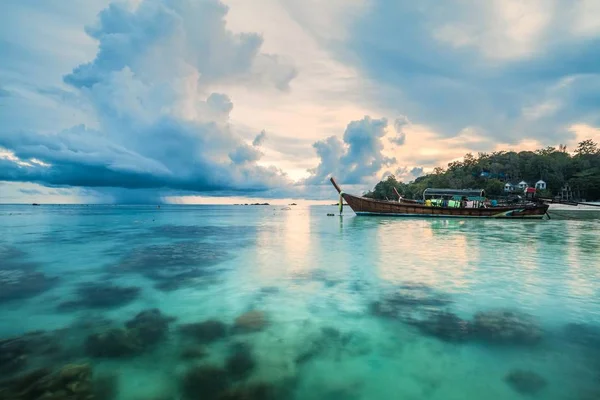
347 305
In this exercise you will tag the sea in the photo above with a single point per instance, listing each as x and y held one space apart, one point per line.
273 302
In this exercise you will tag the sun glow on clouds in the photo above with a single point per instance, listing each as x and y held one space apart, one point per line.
323 98
583 132
505 29
10 156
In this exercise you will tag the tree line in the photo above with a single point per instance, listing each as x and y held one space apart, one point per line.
580 170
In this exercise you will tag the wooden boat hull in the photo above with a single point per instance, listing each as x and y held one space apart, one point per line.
365 206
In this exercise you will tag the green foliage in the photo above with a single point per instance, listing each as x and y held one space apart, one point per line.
385 189
587 147
556 167
494 187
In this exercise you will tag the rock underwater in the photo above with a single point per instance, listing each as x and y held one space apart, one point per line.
506 327
331 343
205 382
100 295
193 352
426 309
254 391
140 333
17 284
114 343
240 362
445 326
209 382
18 352
409 301
525 382
173 265
206 331
251 321
150 326
72 382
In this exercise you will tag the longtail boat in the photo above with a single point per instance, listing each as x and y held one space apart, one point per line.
366 206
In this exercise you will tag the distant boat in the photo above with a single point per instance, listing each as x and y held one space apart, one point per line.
366 206
35 204
574 211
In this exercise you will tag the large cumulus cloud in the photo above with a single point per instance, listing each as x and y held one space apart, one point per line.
159 122
161 37
358 157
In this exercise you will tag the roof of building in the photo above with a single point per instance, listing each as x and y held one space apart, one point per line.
453 192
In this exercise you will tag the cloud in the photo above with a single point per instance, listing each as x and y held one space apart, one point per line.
187 34
220 103
499 30
245 154
399 125
406 174
30 192
158 122
399 139
417 172
260 138
330 152
4 92
27 192
488 65
359 156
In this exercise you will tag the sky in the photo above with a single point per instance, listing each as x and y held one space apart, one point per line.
206 101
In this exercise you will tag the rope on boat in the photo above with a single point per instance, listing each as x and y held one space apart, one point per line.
341 202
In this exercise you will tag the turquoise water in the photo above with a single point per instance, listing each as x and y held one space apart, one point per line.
340 307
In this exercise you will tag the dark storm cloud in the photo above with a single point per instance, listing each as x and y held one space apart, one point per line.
245 154
160 126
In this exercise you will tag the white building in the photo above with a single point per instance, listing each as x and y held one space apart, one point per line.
540 185
509 187
523 185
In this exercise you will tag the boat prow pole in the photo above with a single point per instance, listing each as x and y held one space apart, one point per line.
397 194
341 201
335 185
